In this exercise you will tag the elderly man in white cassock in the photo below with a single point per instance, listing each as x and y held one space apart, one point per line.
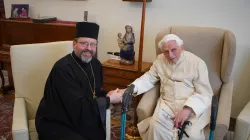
185 93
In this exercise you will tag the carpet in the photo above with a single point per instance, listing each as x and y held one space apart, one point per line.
6 114
116 121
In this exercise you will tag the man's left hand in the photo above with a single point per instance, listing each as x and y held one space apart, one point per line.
181 116
121 91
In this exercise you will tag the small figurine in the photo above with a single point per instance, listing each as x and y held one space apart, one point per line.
24 13
126 45
120 42
15 13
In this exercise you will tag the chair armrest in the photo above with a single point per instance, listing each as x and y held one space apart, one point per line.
224 110
242 128
108 124
148 102
20 123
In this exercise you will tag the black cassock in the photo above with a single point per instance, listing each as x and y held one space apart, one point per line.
68 110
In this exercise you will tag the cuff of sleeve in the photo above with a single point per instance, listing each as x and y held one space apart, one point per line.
103 93
107 102
192 111
135 91
194 105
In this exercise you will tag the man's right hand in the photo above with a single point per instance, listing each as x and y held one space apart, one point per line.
115 96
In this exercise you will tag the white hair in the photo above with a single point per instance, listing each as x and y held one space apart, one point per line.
170 37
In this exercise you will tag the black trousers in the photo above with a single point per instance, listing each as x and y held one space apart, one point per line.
56 131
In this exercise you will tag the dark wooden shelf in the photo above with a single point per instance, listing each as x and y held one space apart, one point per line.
24 31
116 75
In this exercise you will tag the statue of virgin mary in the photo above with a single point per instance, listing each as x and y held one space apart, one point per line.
127 52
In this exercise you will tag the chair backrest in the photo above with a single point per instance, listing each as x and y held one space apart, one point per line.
217 47
31 65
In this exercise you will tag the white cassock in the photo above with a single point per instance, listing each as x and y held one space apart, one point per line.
184 83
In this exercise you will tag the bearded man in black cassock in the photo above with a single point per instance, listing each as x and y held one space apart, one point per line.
74 104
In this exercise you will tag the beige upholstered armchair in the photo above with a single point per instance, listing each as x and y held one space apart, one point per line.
31 64
242 128
217 47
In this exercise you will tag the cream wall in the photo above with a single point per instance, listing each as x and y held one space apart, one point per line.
112 15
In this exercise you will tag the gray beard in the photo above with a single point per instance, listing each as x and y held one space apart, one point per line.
86 60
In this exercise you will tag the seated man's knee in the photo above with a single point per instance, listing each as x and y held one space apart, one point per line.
159 123
154 123
194 134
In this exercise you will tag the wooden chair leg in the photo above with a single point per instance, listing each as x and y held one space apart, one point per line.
2 78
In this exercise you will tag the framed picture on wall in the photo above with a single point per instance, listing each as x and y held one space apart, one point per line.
20 11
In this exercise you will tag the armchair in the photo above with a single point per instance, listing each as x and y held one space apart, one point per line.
217 47
242 128
31 64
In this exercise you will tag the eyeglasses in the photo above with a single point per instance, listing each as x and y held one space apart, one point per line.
86 44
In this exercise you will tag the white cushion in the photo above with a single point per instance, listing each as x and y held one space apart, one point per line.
20 125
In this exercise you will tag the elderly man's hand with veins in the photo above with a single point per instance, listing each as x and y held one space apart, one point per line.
181 117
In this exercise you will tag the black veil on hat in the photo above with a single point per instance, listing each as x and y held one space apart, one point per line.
87 29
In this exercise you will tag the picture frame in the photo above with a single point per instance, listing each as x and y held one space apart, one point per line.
20 11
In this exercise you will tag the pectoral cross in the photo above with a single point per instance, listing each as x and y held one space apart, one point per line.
94 96
85 16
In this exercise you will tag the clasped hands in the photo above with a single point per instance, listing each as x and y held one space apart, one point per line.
116 95
181 117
